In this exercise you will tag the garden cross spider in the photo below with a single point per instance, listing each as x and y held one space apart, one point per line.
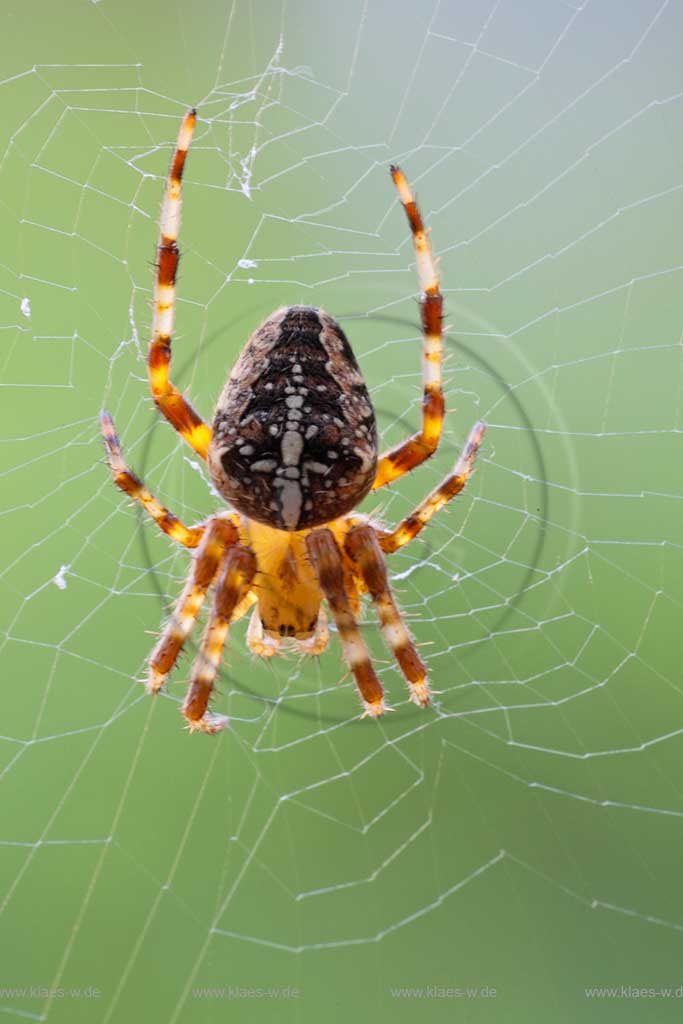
293 449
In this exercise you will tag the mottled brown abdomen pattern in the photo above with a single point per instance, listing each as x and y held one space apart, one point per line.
294 441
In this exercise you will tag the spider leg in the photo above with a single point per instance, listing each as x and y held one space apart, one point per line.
257 641
408 528
169 400
327 562
245 604
420 446
233 585
363 547
219 535
127 481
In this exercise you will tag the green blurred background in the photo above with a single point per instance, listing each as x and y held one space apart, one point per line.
522 837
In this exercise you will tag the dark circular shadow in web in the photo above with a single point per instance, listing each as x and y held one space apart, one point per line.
510 604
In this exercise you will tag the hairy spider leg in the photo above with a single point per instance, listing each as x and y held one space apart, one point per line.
132 485
408 528
232 587
221 534
169 400
361 544
327 561
409 454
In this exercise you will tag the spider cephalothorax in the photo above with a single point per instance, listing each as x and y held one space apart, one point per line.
293 449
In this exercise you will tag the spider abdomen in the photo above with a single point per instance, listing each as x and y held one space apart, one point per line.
294 441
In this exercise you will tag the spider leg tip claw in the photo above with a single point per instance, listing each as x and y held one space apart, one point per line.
478 431
375 709
106 422
154 682
420 693
210 723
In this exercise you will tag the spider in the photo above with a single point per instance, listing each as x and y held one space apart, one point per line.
293 450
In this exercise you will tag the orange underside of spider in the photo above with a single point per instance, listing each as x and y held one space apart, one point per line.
288 576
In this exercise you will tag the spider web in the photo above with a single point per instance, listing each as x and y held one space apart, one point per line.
514 847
